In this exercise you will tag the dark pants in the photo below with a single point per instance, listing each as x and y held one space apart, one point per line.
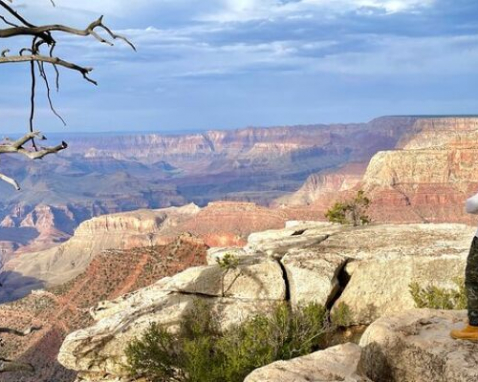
471 282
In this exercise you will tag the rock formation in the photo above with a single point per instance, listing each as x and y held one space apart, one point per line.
426 177
221 223
305 262
339 363
63 309
416 346
104 174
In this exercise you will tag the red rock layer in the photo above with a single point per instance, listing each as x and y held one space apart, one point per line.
65 308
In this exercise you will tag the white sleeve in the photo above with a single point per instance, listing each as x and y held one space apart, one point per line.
472 205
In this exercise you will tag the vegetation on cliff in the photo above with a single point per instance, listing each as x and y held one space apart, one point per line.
353 211
433 297
201 352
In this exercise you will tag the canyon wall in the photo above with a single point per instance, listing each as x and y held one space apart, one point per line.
426 178
430 175
103 174
218 224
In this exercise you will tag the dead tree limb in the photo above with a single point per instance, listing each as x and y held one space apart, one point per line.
18 147
40 54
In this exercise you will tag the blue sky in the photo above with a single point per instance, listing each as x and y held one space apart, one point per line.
216 64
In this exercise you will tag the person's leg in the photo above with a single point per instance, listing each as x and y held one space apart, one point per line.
470 332
471 283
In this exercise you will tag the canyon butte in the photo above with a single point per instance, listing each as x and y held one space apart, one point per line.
417 172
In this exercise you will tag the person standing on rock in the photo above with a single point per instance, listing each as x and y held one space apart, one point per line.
470 332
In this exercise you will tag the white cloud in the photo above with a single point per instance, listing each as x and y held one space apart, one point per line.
246 10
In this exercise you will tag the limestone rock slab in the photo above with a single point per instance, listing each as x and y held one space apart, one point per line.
380 287
100 349
416 346
338 363
312 275
262 281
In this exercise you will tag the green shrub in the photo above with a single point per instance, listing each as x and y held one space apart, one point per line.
350 212
439 298
200 352
228 263
342 315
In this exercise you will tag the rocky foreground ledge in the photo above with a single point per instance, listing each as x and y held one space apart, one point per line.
369 269
414 346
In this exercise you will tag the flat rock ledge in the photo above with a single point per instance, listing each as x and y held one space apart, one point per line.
416 346
339 363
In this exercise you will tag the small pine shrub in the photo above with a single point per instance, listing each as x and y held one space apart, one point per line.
228 262
337 213
342 315
353 211
439 298
200 352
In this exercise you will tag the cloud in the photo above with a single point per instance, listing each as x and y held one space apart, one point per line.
225 63
247 10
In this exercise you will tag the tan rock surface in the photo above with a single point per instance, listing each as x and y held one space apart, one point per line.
385 259
335 364
416 346
100 348
214 254
312 275
276 243
380 287
262 281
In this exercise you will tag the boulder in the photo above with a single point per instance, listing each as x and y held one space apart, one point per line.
261 281
392 241
130 301
276 243
339 363
380 287
100 348
416 346
312 275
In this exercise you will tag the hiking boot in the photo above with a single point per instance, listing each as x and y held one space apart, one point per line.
469 333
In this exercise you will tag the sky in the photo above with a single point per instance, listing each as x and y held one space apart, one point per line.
221 64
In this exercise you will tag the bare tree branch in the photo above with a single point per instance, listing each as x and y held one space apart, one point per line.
51 60
11 181
42 37
38 153
89 31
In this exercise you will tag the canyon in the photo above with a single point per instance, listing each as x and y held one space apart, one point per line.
99 264
415 170
426 178
58 311
102 173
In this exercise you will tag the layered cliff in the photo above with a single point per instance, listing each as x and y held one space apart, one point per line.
62 263
430 175
426 177
218 224
104 174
